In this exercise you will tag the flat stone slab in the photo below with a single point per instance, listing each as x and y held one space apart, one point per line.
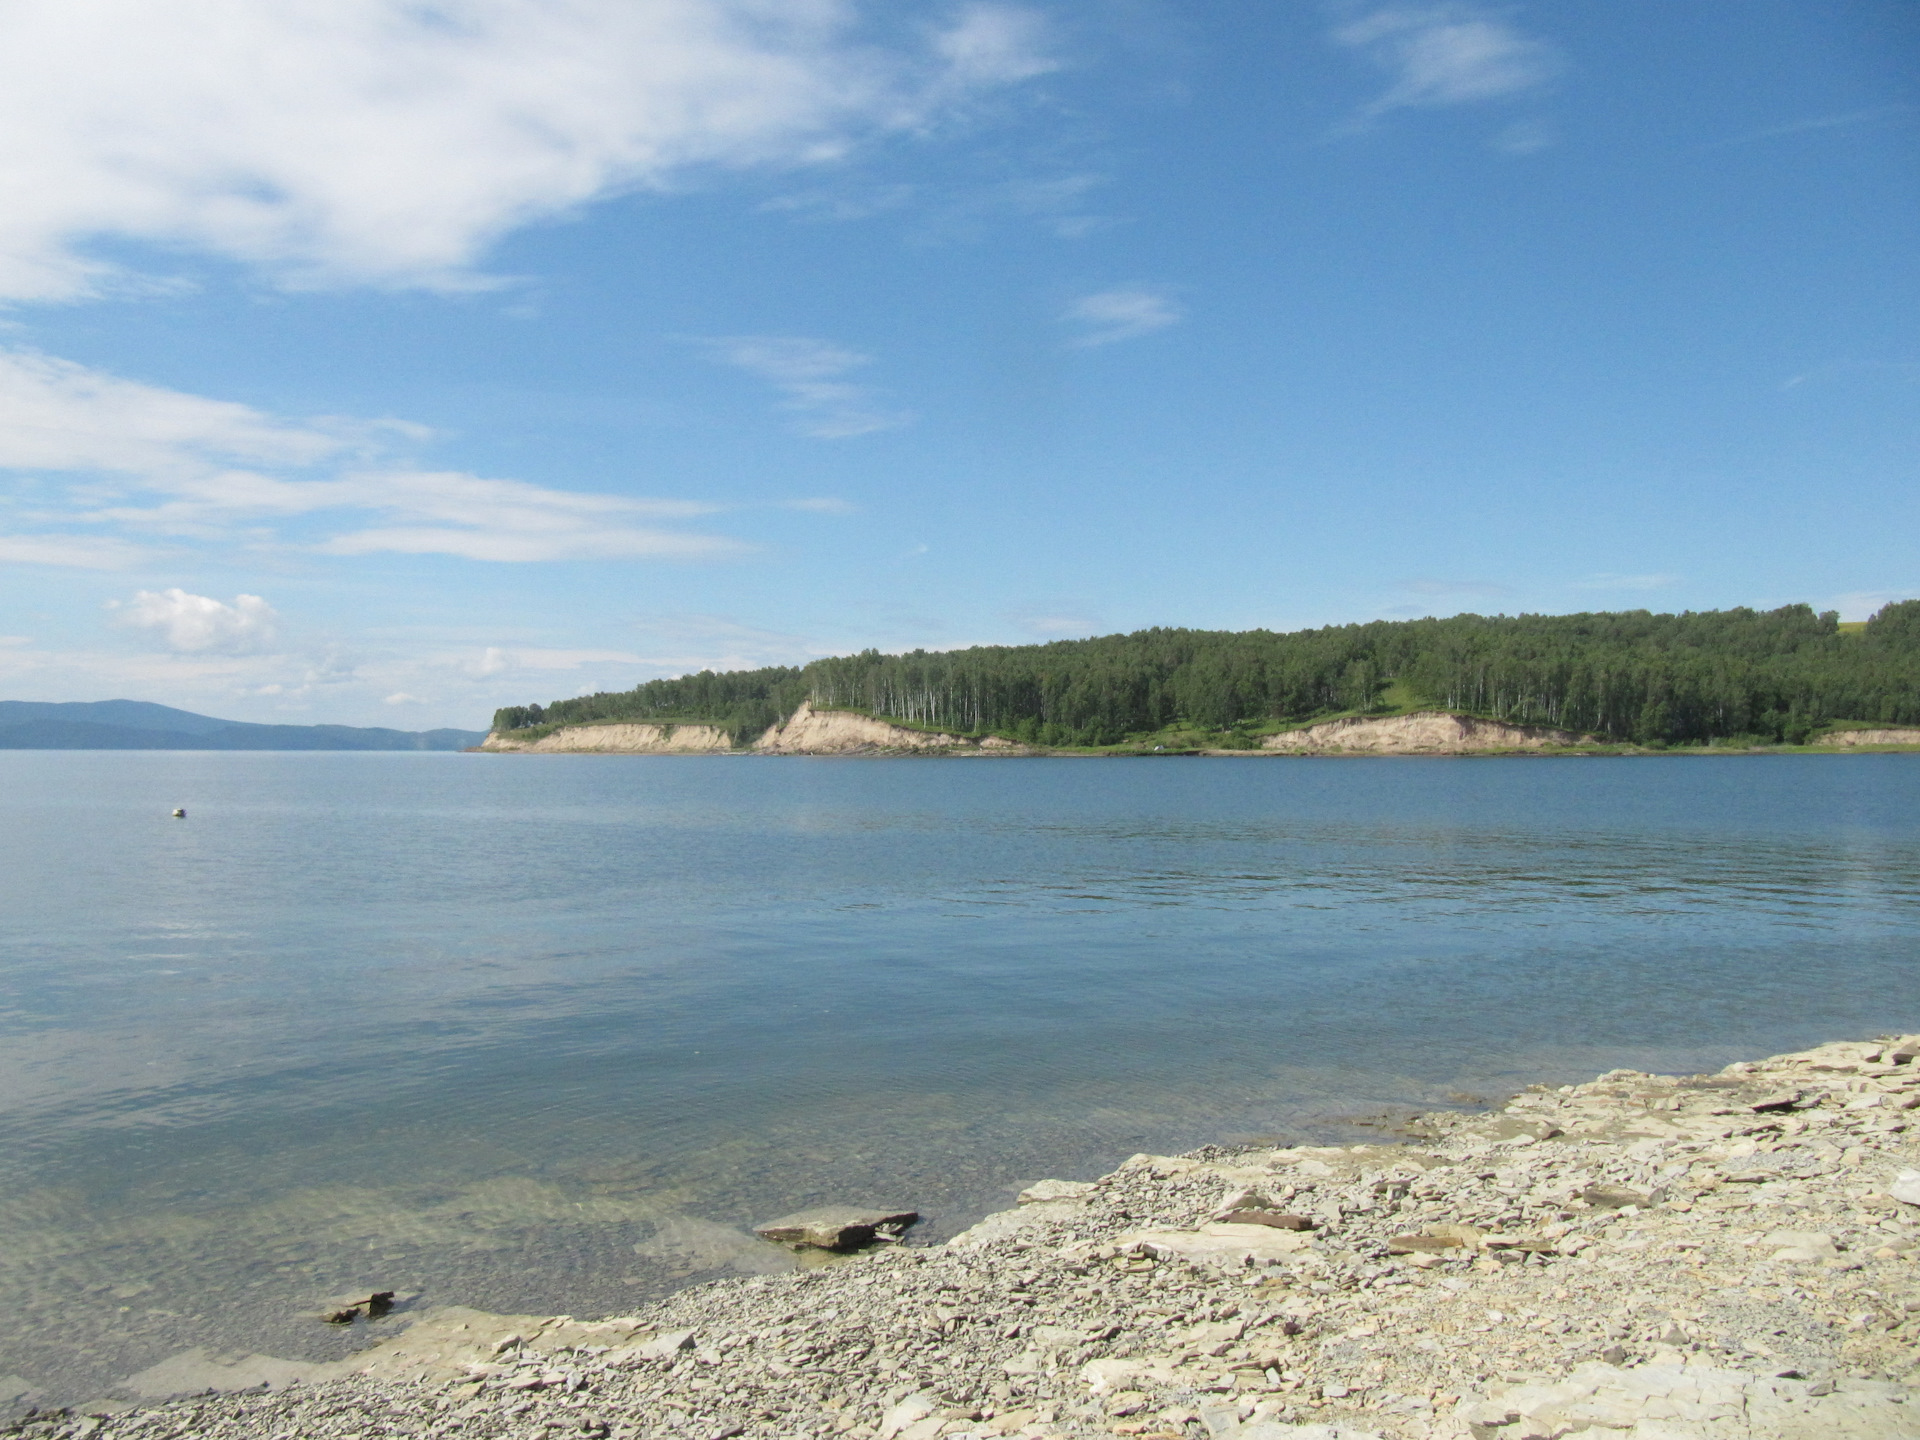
1042 1191
837 1227
1700 1402
1219 1243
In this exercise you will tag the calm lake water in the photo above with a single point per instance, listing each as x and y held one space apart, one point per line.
544 1033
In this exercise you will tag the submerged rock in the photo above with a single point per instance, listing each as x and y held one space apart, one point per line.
837 1227
1759 1283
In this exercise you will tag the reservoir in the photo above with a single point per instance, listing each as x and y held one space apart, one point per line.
547 1033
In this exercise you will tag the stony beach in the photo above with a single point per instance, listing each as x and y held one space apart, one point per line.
1643 1257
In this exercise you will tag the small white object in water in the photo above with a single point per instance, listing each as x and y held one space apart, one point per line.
179 814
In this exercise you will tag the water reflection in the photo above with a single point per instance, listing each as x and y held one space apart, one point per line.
549 1034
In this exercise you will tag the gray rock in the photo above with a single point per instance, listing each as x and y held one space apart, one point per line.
1042 1191
665 1347
905 1415
1133 1300
1613 1197
1275 1219
837 1227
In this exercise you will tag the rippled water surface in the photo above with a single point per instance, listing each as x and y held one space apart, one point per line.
544 1033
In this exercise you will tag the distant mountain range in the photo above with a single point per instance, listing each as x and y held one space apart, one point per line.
138 725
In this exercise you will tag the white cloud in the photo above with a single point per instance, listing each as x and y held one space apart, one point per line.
992 45
160 462
333 667
388 141
1447 54
1121 314
812 376
453 513
201 625
56 415
493 660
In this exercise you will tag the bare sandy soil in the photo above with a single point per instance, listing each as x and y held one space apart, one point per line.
1427 732
840 732
623 740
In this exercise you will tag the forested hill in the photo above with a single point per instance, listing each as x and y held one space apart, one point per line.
1632 676
142 725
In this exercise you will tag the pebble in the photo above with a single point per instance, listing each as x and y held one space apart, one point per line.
1717 1257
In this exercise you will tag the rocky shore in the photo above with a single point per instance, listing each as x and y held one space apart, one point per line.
1645 1257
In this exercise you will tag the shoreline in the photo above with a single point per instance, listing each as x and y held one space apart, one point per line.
1583 753
1641 1257
1436 733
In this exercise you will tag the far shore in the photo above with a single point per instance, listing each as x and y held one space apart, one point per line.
821 732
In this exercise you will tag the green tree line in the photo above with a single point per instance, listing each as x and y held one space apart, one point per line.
1774 675
742 702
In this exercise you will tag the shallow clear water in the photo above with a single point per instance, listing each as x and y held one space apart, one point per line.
542 1033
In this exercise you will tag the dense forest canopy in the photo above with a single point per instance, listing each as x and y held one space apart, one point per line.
1632 676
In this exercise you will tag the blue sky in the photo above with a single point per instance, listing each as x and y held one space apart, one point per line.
375 362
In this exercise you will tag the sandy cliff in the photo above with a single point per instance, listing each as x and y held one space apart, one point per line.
1429 732
810 731
839 732
1893 736
623 740
806 732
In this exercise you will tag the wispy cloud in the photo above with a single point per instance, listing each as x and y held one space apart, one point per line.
1447 54
72 552
141 462
1055 622
449 512
388 142
988 46
1060 204
1907 370
679 644
1606 580
496 660
812 378
1861 604
1525 137
286 680
1819 122
1124 313
1426 586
